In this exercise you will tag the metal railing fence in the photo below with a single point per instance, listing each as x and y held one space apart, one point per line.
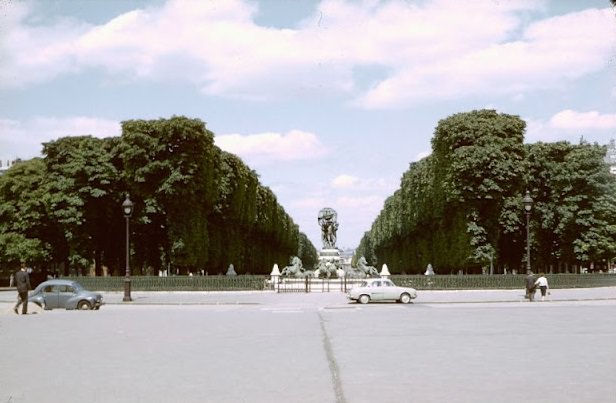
177 283
264 283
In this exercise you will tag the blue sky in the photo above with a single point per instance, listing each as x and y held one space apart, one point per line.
328 101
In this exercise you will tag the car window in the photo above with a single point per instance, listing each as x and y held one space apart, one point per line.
70 289
387 284
49 288
376 284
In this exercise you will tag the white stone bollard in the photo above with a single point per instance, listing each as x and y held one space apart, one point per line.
385 271
275 276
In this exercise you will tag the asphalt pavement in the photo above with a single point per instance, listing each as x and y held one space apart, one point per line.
424 297
448 346
271 297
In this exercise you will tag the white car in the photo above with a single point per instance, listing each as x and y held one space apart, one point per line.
380 289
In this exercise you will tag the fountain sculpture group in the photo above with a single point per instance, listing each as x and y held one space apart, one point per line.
330 262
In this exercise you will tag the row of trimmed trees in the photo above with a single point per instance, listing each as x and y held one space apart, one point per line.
461 207
196 206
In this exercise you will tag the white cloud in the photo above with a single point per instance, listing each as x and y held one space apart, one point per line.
570 125
426 53
35 53
549 54
422 155
536 130
592 120
19 138
344 181
273 147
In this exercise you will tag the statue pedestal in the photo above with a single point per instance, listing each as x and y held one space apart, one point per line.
329 255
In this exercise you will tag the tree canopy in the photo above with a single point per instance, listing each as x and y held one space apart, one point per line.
461 207
196 207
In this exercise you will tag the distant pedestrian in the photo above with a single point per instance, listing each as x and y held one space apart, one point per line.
12 280
530 286
543 285
22 282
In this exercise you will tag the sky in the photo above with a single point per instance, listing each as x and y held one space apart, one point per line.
328 101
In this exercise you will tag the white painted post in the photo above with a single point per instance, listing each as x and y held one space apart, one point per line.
385 271
275 276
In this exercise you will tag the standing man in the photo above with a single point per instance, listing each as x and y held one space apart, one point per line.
22 282
530 286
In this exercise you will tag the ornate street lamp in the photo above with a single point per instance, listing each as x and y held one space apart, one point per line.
127 209
528 206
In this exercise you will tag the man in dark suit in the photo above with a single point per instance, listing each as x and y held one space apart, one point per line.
22 282
530 286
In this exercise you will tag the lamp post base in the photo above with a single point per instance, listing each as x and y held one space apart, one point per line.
127 297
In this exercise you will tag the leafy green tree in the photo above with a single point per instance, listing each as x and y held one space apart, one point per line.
81 187
450 208
480 155
574 203
461 208
196 207
234 213
14 247
25 229
169 167
306 251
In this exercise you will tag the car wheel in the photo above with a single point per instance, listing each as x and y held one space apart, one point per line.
363 299
84 305
405 298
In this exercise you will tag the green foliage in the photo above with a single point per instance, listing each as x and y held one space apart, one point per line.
306 251
169 168
574 204
81 184
24 231
461 207
195 207
15 247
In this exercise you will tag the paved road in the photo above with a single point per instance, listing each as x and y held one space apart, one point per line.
8 296
462 346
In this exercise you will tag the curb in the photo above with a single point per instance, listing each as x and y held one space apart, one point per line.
415 302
